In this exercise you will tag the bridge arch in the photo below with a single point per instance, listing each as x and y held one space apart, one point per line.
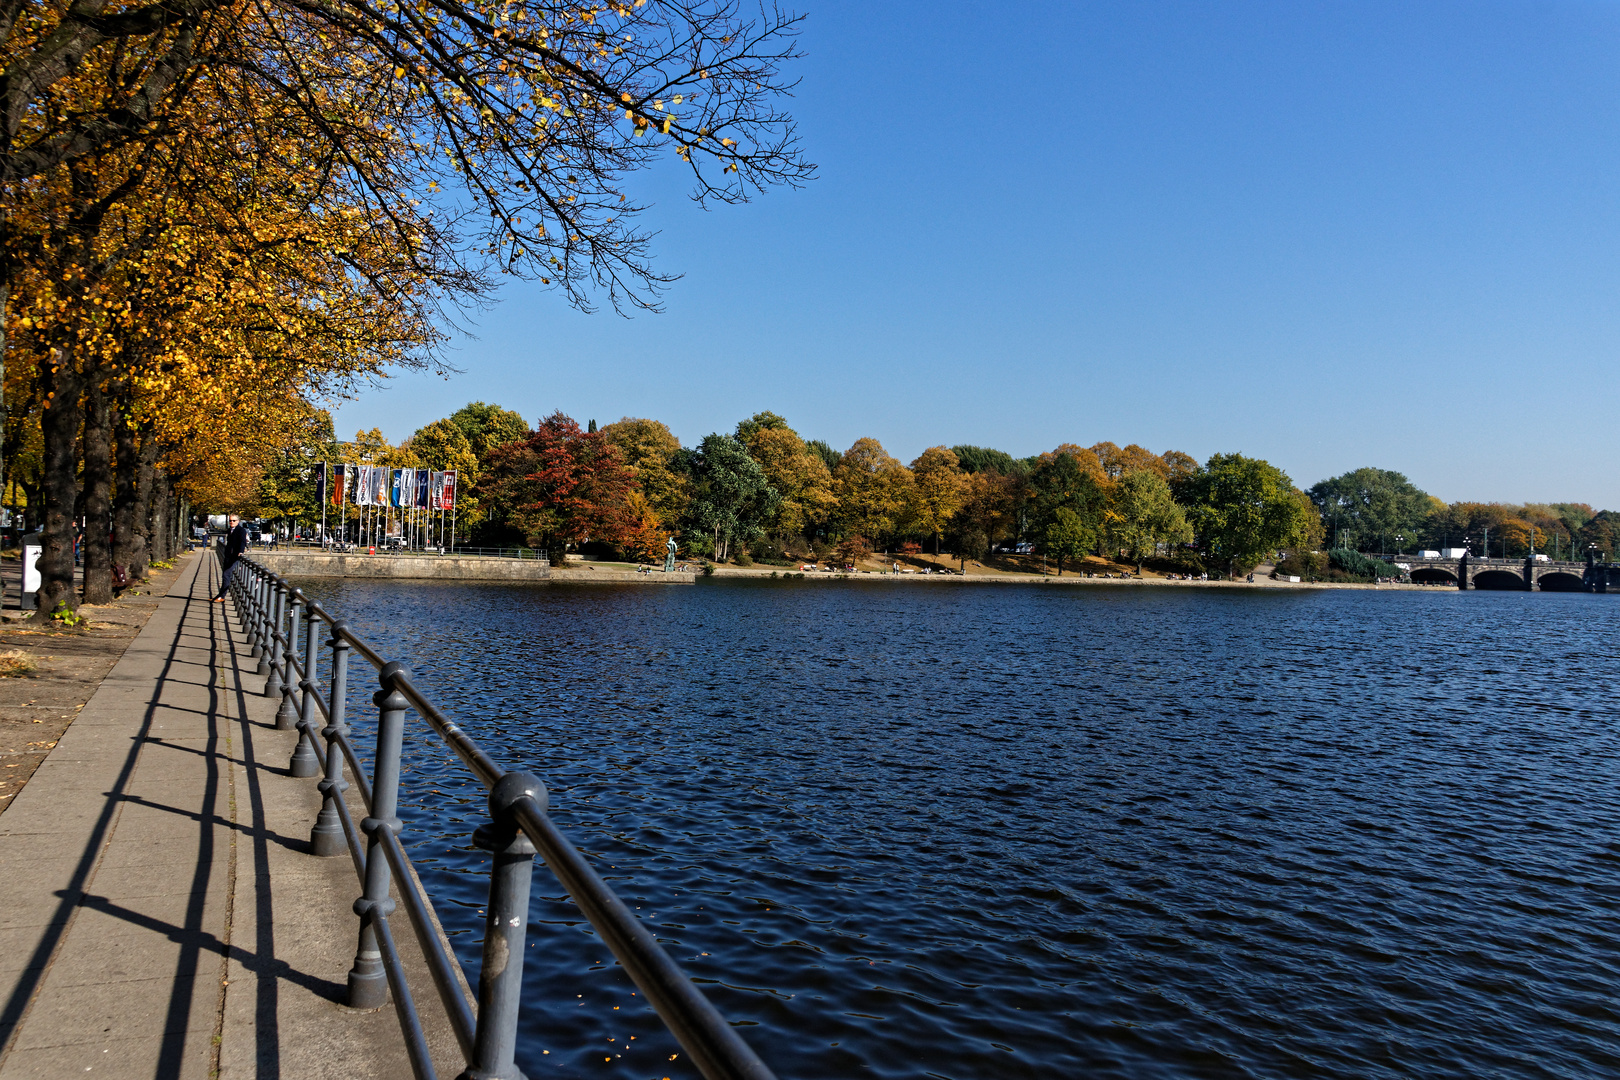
1434 573
1559 581
1499 580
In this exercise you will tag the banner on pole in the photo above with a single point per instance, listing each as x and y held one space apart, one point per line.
396 478
450 489
424 478
339 487
320 484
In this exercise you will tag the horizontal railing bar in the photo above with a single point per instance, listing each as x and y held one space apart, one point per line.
479 762
715 1048
410 1023
438 961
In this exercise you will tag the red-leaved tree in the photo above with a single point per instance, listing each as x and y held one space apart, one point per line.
560 485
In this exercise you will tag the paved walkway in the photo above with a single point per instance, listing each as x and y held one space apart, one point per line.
160 915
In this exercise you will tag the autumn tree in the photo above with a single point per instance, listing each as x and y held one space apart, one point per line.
939 489
797 473
989 511
648 449
873 489
486 426
559 485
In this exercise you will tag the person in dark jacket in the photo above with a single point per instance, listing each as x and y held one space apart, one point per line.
236 542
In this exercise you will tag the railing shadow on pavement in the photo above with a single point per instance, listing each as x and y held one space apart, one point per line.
284 628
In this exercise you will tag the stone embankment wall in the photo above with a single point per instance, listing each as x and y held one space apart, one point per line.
300 564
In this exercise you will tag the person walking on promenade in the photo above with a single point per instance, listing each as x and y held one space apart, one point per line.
236 542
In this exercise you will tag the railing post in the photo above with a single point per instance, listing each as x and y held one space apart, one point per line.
306 760
287 714
368 982
326 838
506 927
276 609
256 620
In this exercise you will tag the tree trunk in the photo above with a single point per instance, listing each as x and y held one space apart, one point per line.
129 545
59 424
98 583
145 478
163 521
155 511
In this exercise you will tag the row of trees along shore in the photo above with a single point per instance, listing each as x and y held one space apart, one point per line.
764 494
215 216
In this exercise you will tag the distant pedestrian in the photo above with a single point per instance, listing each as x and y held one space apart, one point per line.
236 542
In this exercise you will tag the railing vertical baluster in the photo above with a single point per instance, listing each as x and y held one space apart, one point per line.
327 837
368 982
306 760
275 601
287 713
506 927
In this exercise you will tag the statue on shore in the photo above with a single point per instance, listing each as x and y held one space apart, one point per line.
669 556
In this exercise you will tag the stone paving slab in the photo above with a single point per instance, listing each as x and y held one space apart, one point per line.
160 912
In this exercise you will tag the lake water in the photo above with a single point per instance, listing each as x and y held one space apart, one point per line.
909 830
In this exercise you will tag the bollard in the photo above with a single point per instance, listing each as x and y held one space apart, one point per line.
326 838
306 760
506 926
287 713
276 608
368 982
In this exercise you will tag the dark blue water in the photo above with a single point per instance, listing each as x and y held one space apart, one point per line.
905 830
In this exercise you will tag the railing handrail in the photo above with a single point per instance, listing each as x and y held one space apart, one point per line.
520 829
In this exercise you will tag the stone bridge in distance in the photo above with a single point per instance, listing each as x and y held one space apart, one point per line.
1522 575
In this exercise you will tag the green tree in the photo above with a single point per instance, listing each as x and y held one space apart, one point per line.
1368 508
1067 535
1240 508
826 453
976 459
731 499
1067 479
1146 515
488 426
1601 533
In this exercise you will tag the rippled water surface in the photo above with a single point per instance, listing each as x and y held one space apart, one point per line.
905 830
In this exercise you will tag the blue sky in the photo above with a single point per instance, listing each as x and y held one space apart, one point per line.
1325 234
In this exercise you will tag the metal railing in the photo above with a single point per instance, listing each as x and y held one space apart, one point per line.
273 613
